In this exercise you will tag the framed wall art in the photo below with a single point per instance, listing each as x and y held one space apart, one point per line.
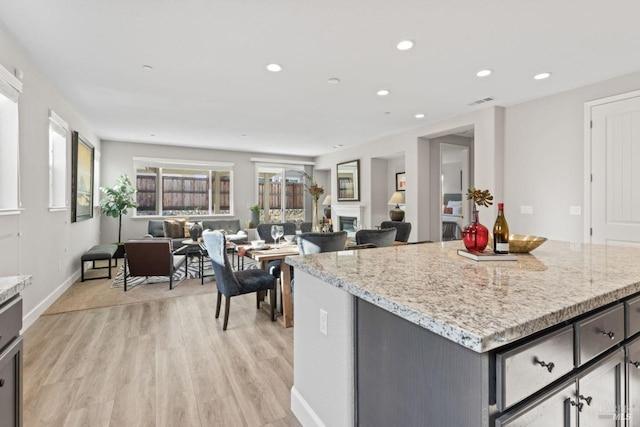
82 155
348 181
401 181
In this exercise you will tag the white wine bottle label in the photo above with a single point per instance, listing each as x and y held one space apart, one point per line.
502 247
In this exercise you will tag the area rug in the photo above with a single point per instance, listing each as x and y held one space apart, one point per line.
100 293
193 271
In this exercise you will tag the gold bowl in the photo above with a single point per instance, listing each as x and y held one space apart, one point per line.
520 244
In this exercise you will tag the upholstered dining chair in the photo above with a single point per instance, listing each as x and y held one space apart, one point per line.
314 243
152 257
403 229
264 231
379 238
305 227
232 283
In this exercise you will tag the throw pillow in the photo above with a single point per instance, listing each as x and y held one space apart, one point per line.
173 228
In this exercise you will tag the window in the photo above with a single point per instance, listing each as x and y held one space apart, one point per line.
10 89
281 193
177 188
58 131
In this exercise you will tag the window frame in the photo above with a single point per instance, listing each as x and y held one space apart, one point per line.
58 181
161 163
10 89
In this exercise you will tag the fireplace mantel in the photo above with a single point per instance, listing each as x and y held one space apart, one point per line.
355 211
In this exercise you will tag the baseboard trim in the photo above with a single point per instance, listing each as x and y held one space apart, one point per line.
37 311
303 411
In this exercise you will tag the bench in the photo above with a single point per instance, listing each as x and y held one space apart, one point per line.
98 253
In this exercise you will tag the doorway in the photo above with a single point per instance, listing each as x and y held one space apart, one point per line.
452 176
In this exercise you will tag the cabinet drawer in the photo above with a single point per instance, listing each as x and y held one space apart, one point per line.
632 311
598 333
10 321
526 369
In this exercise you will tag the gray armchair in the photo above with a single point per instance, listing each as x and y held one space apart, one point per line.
315 243
232 283
403 229
379 238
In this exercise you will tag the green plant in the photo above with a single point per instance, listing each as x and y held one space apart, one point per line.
480 197
118 200
254 208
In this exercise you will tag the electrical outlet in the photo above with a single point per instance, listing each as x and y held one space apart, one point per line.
323 322
527 210
575 210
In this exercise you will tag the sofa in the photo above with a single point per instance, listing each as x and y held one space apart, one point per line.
158 228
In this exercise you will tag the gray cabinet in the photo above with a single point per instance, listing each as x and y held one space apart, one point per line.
11 363
633 379
595 397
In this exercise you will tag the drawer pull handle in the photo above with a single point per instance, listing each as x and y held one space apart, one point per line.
549 365
610 334
1 382
579 405
587 399
636 364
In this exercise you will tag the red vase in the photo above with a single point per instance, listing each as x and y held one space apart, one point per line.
475 236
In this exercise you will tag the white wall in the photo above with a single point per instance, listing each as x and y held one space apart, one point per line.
117 158
544 159
487 124
50 245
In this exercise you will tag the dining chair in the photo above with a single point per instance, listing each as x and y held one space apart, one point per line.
305 227
230 283
315 243
403 229
379 238
153 257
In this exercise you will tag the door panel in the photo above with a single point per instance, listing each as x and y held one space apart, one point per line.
615 154
601 391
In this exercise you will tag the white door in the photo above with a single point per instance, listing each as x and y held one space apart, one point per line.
615 167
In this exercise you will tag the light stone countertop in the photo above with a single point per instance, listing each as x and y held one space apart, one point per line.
481 305
12 285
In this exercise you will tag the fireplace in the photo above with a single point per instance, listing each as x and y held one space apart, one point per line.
347 223
344 215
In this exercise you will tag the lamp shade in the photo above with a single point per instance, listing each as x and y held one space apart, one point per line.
327 200
397 198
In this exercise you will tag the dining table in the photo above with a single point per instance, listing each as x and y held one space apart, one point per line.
274 253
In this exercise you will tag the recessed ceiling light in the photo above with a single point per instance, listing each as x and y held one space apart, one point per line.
405 45
383 92
333 81
419 116
274 68
542 76
484 73
147 67
338 146
153 134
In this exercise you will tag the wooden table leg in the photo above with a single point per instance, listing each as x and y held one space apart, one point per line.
285 288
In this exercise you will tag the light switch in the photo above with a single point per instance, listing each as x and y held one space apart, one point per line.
575 210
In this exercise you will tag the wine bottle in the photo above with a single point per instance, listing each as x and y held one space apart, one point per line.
501 232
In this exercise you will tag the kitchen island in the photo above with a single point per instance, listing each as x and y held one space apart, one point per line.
417 335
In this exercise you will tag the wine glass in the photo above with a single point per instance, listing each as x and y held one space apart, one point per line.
279 231
274 233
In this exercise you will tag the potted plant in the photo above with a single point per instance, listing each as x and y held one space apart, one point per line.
475 236
117 202
255 216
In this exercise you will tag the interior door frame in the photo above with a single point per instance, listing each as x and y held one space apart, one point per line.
588 106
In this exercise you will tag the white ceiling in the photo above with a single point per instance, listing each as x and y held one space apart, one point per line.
209 85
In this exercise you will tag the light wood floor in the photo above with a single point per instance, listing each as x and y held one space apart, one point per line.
159 363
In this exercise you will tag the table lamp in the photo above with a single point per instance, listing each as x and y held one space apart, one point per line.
327 203
396 214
